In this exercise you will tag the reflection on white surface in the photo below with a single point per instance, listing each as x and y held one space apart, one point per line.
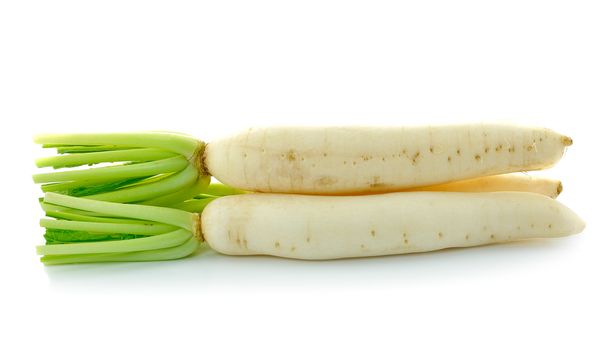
207 269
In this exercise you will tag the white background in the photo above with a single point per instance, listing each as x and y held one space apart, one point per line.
210 68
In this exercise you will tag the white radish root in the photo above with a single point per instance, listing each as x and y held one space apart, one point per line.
501 183
331 227
351 160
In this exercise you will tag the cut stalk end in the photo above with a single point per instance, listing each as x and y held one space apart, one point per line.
123 167
123 197
82 230
86 230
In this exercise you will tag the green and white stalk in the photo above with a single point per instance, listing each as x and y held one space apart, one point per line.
153 168
104 231
81 229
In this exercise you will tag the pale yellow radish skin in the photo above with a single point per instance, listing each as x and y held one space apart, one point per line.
501 183
349 160
331 227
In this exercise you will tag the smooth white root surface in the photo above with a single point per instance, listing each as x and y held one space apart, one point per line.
331 227
347 160
499 183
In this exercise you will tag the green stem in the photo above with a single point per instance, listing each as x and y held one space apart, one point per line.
131 155
70 215
60 149
92 231
169 216
52 208
180 196
106 227
178 143
219 190
180 251
110 173
194 205
174 183
166 240
85 188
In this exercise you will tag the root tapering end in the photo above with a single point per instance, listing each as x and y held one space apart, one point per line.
567 141
560 188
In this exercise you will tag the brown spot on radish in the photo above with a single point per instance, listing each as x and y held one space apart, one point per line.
532 225
467 237
440 235
530 147
313 165
277 244
302 159
560 187
518 228
292 249
458 151
292 156
486 149
431 149
326 181
383 159
477 157
345 162
449 159
415 159
354 163
550 226
308 239
511 149
238 241
404 151
376 182
325 154
492 236
365 158
245 155
373 233
362 246
405 241
498 148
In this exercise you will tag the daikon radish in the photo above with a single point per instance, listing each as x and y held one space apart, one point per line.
299 226
307 160
499 183
343 160
332 227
